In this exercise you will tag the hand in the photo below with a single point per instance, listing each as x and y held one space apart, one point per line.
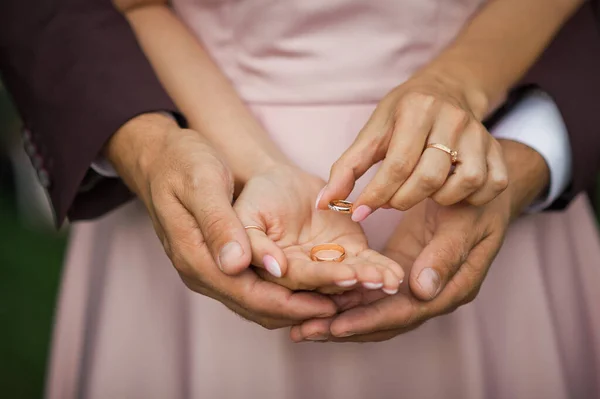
187 191
426 109
281 202
448 250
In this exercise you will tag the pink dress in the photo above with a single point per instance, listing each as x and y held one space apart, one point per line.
312 71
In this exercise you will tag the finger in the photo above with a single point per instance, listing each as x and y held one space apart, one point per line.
434 165
471 172
389 313
368 148
267 299
391 272
240 309
266 254
305 274
430 174
311 330
406 145
222 230
441 258
497 177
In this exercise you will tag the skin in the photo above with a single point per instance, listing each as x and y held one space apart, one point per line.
445 102
457 243
169 169
209 101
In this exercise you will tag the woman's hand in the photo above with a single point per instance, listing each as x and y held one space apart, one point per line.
281 202
427 109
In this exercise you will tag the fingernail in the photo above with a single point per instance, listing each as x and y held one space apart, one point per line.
316 337
361 213
319 197
346 283
272 265
401 281
429 280
346 334
372 286
390 292
230 254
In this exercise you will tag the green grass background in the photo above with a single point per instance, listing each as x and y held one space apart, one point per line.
30 264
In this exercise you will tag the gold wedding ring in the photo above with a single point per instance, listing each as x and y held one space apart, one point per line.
453 153
341 206
330 247
254 227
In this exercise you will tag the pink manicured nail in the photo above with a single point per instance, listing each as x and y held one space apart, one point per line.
319 197
346 283
372 286
345 334
361 213
272 266
390 292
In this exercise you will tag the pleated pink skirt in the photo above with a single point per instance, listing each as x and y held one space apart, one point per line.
127 327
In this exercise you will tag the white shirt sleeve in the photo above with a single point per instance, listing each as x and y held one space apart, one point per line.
536 122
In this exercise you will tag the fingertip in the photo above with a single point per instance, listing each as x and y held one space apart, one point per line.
319 196
272 266
232 258
426 284
361 213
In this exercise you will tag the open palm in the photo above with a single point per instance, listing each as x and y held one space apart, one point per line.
281 202
457 243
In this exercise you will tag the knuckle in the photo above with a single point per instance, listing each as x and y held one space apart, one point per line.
499 182
456 115
473 177
399 170
443 200
400 204
431 181
417 99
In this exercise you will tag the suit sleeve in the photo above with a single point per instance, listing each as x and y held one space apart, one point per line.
569 71
76 74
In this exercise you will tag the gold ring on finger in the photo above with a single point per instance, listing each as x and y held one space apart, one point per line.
453 153
255 227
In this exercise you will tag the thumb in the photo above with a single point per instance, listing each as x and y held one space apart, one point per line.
366 150
439 261
221 229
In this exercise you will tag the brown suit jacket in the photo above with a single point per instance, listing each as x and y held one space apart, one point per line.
76 75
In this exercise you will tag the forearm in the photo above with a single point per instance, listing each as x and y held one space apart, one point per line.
499 45
202 92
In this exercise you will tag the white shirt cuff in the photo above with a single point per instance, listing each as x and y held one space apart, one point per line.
536 122
104 168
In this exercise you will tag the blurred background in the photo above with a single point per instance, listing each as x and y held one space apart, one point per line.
31 253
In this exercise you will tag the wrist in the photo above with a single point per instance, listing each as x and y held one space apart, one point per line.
528 175
134 147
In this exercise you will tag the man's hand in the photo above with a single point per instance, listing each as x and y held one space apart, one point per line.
187 191
450 250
